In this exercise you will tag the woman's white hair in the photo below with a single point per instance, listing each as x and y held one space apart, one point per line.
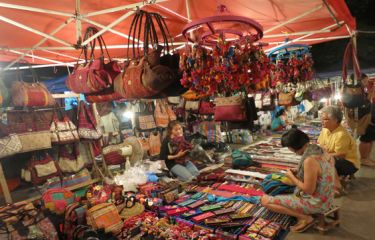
333 112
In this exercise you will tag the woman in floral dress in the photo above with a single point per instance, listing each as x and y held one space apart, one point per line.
314 181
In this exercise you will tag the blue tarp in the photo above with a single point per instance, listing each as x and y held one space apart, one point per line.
56 85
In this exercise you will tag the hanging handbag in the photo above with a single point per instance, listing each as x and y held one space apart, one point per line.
230 109
57 199
286 98
211 130
268 101
161 114
155 144
174 100
94 75
70 160
145 119
144 77
206 108
40 169
258 100
87 126
34 133
116 154
104 216
192 106
353 94
63 131
10 145
171 114
31 94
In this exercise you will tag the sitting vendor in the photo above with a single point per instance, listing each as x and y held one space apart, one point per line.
175 151
337 141
280 120
313 179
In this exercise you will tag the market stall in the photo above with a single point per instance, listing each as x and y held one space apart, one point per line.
199 83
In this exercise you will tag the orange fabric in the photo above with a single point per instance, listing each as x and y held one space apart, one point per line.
268 13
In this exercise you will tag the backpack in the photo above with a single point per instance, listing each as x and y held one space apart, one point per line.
241 159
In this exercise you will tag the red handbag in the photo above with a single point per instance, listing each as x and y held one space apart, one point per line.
206 108
40 170
31 94
230 109
87 126
94 75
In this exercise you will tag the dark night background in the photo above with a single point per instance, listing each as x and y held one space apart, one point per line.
327 56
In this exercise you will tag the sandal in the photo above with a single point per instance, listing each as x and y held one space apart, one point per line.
340 192
302 226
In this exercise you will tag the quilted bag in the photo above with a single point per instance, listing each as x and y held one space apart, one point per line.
258 100
63 131
230 109
104 216
10 145
57 199
87 126
161 114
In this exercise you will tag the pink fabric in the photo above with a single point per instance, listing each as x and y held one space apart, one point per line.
238 189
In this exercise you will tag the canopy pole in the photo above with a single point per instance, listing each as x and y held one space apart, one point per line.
109 30
304 36
78 23
173 12
61 54
39 43
114 23
331 13
294 19
34 56
20 25
295 33
33 9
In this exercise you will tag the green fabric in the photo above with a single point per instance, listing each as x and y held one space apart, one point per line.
4 92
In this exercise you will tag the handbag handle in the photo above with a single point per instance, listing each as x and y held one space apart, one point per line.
350 52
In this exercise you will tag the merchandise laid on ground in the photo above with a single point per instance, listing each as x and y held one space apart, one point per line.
183 120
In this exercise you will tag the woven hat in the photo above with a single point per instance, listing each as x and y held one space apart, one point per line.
137 209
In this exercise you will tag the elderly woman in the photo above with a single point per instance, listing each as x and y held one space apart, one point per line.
313 179
336 140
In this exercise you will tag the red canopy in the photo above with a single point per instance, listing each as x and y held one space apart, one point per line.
45 31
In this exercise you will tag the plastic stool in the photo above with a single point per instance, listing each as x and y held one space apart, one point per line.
328 220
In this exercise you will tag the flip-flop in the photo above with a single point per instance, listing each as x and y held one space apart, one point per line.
304 227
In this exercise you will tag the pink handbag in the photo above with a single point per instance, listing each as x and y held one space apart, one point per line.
94 75
206 108
230 109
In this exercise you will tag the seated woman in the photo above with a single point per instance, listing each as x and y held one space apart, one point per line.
279 122
313 179
174 150
336 140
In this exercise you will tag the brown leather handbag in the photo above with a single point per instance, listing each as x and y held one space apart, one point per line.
286 99
144 77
